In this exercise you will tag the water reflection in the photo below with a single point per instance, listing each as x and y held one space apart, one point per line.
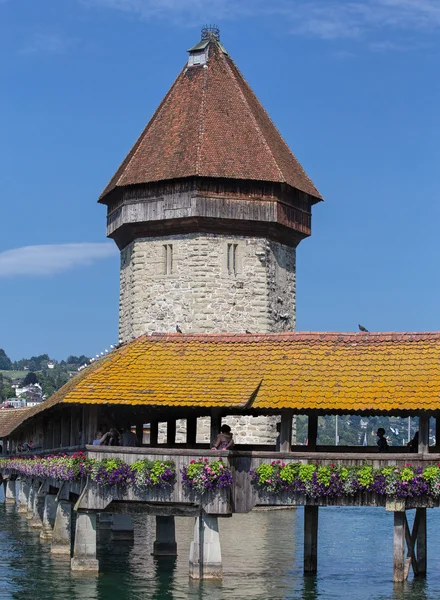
262 558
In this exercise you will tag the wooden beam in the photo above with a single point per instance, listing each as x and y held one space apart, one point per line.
423 433
191 432
421 540
312 432
154 432
216 422
410 541
140 432
437 431
171 432
286 430
399 546
310 539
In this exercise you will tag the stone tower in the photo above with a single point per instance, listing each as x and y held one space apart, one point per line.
208 208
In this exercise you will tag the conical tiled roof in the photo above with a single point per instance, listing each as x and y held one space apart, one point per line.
211 124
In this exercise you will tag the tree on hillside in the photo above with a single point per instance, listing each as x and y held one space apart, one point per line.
5 361
77 360
6 391
30 378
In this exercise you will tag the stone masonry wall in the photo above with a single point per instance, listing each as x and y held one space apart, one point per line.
200 294
197 288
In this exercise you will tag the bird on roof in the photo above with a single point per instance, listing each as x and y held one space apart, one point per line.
362 328
247 331
178 329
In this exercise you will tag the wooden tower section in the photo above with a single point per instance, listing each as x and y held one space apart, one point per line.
208 208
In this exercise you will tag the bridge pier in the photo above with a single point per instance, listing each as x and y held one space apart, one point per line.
205 558
30 501
121 527
37 518
310 539
415 543
49 514
165 544
84 550
23 497
61 535
10 491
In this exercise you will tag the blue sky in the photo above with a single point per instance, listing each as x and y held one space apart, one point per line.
353 87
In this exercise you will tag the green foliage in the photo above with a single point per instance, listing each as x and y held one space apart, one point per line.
365 475
5 361
31 378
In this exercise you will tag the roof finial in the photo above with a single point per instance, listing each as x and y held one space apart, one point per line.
211 32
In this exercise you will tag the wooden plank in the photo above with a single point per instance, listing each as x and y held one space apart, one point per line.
310 539
399 547
216 421
171 432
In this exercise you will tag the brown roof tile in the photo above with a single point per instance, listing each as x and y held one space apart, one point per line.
211 124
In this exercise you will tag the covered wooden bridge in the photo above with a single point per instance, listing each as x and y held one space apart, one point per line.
170 379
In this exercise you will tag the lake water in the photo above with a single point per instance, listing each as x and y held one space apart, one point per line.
262 559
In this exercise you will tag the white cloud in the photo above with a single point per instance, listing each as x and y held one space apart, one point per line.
47 43
52 259
327 19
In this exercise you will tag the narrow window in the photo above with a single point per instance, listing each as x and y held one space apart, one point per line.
232 259
167 258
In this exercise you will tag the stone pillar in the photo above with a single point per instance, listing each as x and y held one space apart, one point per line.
206 545
49 514
310 540
122 527
30 503
10 491
61 535
37 517
23 497
84 550
399 546
165 544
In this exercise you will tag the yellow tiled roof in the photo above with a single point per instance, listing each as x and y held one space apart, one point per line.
326 372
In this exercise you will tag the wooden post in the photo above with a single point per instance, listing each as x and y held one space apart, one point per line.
312 432
140 433
216 422
437 431
286 430
310 539
423 433
421 540
399 546
154 432
191 432
171 432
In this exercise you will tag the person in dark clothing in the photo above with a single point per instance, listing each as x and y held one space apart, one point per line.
382 443
413 444
111 438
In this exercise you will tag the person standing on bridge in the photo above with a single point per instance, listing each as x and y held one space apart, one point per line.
382 443
224 439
